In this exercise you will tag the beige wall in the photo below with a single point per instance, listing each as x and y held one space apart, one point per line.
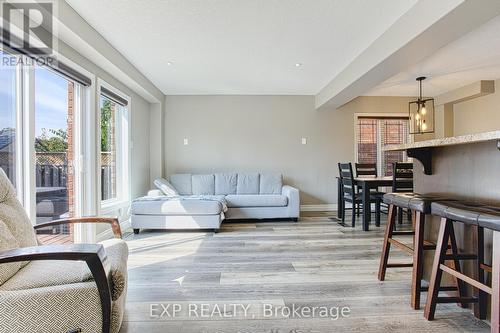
481 114
263 133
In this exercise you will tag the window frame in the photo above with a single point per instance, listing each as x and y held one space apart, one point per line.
25 139
123 162
379 139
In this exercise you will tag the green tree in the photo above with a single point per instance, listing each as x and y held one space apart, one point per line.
56 142
106 118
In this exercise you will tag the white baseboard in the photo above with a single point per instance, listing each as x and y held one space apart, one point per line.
318 208
124 225
325 207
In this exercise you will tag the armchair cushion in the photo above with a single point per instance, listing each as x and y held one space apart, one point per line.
117 253
61 308
47 273
7 242
13 214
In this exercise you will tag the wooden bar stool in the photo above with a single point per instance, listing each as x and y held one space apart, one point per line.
481 217
419 205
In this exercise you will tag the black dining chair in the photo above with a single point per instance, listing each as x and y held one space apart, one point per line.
369 170
349 194
402 181
365 169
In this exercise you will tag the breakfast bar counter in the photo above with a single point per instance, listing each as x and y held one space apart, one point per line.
466 167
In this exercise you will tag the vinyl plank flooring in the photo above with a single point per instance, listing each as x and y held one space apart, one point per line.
313 263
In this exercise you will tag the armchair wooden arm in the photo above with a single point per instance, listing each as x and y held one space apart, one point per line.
93 254
115 225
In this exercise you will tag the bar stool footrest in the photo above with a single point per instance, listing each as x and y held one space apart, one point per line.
403 233
464 256
486 268
400 265
444 288
451 299
400 245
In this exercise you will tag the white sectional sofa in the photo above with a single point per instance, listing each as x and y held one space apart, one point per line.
204 201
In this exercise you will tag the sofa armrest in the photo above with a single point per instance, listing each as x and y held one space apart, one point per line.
113 221
93 254
293 196
155 193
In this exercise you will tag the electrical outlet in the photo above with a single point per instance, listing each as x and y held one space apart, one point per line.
304 141
186 142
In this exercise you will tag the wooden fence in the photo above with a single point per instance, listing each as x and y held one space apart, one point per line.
52 170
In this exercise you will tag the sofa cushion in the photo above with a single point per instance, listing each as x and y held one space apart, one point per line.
248 183
225 183
164 186
256 200
177 206
7 242
203 184
182 183
271 183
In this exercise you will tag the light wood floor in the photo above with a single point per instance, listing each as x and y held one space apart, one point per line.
312 263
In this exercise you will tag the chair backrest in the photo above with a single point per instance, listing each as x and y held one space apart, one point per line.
366 169
347 179
402 177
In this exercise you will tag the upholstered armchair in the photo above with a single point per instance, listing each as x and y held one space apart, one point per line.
57 288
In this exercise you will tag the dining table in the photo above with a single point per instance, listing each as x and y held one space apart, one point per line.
366 184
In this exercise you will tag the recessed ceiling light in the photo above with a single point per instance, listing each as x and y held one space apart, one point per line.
299 64
169 63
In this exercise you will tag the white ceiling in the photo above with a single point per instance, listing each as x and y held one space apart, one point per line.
473 57
241 46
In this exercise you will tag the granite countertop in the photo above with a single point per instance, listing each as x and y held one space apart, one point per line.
454 140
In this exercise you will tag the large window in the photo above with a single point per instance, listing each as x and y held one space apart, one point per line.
113 146
373 133
54 147
8 119
108 148
40 139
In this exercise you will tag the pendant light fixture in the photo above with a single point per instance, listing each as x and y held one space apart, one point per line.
421 113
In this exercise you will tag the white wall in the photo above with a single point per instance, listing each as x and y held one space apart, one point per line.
263 133
139 134
139 118
481 114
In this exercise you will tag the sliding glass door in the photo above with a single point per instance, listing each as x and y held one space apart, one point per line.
54 146
39 142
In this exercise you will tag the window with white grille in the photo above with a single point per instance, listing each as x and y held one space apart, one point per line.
373 133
